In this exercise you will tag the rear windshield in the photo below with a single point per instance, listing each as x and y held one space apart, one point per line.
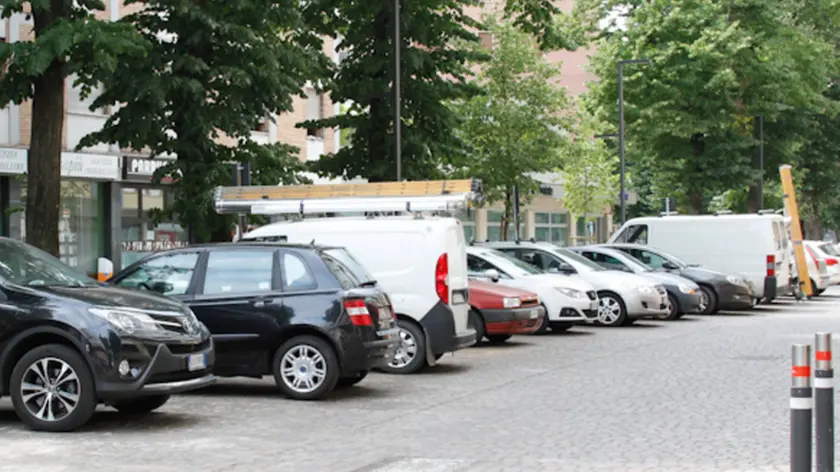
830 249
350 264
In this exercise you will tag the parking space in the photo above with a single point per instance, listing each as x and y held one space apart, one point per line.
697 394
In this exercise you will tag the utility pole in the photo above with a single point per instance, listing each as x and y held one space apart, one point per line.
761 162
623 199
397 91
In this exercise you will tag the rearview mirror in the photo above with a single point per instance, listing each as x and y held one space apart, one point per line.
492 274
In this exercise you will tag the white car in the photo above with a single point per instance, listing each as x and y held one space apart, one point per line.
567 301
623 297
828 253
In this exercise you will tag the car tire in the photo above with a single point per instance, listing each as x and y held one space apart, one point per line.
477 323
141 405
70 377
411 354
545 323
611 310
345 382
560 326
674 310
496 339
711 299
297 364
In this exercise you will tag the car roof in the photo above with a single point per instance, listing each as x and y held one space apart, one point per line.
277 244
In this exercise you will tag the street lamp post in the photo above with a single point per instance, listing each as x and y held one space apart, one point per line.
621 65
397 91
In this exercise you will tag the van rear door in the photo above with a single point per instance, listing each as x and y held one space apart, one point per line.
783 260
456 250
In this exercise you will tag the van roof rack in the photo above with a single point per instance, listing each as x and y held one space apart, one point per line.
418 196
668 213
767 212
723 212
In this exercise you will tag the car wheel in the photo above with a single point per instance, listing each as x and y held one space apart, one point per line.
411 354
544 324
345 382
477 323
674 310
708 301
306 368
611 310
141 405
560 327
498 338
52 389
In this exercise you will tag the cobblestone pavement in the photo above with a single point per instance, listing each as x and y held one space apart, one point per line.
699 394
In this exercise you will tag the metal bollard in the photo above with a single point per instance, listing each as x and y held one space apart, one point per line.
801 404
824 402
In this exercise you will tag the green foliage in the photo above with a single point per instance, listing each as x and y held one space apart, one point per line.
590 181
435 71
518 125
715 67
214 69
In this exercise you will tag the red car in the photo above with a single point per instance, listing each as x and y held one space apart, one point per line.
498 312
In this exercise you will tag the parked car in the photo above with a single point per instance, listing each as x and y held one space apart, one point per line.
420 262
733 244
311 316
828 254
567 301
498 312
683 295
817 267
623 298
719 291
68 343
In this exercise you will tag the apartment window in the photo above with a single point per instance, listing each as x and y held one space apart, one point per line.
551 227
486 39
262 125
468 222
314 111
77 104
494 226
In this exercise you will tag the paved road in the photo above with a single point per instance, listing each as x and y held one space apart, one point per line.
700 394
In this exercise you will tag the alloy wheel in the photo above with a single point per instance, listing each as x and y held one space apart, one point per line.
609 311
50 389
406 351
303 368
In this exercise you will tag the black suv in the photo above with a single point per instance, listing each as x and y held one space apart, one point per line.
311 316
68 343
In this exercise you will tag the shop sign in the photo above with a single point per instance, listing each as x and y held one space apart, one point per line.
142 169
151 246
90 166
12 161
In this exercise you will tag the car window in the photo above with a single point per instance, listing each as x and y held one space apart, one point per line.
23 264
349 262
238 272
635 234
168 274
650 258
830 249
345 278
296 274
477 266
604 260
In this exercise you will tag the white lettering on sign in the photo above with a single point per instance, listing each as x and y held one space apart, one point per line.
90 166
146 166
13 161
151 246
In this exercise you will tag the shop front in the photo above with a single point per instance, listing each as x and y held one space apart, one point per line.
12 168
87 183
141 235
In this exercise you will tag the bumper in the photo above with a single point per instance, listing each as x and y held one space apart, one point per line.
513 320
770 288
164 372
381 352
439 325
689 302
735 297
577 311
647 305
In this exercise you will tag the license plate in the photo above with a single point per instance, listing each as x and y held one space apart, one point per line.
535 314
197 362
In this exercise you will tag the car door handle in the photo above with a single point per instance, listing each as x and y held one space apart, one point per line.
260 302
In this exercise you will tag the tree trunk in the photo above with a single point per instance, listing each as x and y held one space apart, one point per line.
753 193
753 199
695 202
377 137
43 188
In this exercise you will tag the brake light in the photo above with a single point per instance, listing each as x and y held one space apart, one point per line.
830 261
358 312
442 278
771 265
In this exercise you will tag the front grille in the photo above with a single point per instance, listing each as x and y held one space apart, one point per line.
182 348
592 295
176 324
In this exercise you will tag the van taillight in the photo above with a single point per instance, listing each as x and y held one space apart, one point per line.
771 265
442 278
358 312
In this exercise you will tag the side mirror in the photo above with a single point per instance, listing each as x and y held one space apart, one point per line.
162 287
529 258
669 265
492 274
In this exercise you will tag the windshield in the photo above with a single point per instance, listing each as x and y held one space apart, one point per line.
23 264
351 263
580 260
509 264
635 264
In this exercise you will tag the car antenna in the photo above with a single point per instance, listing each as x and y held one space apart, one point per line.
312 243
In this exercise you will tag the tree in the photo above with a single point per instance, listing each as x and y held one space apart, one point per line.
716 66
215 70
68 40
590 181
519 125
434 63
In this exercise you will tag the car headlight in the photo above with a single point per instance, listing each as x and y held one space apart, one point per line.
126 321
687 289
735 280
512 302
570 292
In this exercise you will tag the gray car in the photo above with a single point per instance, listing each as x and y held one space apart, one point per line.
684 296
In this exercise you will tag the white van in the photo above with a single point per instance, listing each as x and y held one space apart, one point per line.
754 246
421 262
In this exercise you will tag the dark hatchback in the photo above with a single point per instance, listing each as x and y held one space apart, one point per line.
311 316
720 291
68 343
